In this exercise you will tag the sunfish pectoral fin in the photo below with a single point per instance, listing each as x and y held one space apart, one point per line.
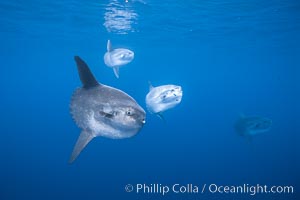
87 78
84 138
116 71
106 114
108 46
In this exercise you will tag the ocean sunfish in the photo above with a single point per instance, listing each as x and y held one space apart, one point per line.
101 110
249 126
162 98
116 58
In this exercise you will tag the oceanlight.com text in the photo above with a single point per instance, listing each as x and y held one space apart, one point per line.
248 189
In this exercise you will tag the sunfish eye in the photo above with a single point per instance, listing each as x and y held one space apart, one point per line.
128 113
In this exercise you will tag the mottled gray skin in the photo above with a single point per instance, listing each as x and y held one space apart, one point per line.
101 110
107 112
253 125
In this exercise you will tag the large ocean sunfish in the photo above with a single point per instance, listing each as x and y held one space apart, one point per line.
101 110
249 126
162 98
116 58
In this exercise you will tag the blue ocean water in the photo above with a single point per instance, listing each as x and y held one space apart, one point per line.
229 56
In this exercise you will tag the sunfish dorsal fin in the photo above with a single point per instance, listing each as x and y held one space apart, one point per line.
87 78
150 86
108 46
242 115
84 138
116 71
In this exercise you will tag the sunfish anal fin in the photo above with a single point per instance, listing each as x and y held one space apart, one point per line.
84 138
87 78
108 46
116 71
160 115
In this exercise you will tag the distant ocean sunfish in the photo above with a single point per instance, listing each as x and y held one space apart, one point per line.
101 110
162 98
116 58
253 125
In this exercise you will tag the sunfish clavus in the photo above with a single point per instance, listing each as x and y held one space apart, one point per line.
101 110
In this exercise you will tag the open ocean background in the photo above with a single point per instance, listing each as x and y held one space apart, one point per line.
229 56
